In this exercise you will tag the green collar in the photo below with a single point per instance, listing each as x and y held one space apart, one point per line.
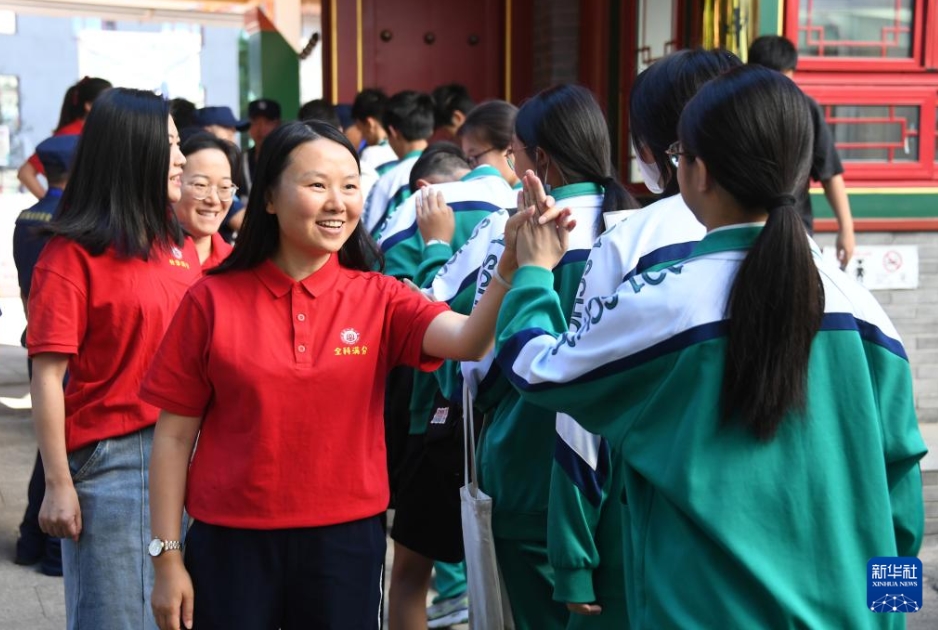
485 170
729 238
576 190
413 154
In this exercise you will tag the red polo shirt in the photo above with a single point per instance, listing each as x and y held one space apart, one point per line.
109 314
289 380
220 251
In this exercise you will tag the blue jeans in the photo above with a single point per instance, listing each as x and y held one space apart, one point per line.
108 574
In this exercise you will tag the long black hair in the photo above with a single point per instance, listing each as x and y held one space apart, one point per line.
117 191
659 95
752 128
259 236
566 122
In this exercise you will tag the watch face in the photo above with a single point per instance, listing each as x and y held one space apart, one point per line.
155 547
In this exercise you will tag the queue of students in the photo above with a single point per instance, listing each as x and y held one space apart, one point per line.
683 403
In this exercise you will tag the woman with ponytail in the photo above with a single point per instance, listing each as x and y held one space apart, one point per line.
757 402
561 136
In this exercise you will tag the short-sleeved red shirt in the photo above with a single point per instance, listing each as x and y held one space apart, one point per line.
71 129
289 379
109 314
220 250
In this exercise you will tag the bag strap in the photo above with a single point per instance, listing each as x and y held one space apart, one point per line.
469 443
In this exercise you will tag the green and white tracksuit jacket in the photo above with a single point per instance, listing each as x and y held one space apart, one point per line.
720 529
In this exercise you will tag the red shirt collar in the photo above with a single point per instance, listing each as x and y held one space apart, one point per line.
317 283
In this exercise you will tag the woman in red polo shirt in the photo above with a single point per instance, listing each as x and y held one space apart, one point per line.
75 107
103 292
277 361
208 191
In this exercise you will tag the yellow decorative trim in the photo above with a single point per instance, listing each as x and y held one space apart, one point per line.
508 50
334 48
780 26
358 35
817 190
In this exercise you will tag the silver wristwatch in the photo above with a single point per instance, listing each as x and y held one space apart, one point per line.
158 546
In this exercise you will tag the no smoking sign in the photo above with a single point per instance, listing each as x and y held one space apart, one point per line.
882 266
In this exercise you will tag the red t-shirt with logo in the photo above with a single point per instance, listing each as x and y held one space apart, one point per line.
109 314
288 378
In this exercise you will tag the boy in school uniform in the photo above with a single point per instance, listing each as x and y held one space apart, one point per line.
368 115
408 119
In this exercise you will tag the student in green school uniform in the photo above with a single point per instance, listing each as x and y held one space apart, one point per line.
562 135
368 114
584 521
449 201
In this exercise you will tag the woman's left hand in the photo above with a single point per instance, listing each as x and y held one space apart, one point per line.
435 219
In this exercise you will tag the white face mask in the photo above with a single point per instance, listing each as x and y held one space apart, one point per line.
650 175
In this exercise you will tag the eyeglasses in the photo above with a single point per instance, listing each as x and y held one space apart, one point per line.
674 152
200 191
474 160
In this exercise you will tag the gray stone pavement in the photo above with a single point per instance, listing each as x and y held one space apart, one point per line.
30 600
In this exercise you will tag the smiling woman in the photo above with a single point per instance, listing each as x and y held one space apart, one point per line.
207 194
302 404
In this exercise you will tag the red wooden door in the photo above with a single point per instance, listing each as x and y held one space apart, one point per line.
414 44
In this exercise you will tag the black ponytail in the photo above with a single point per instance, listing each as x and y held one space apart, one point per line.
566 122
752 128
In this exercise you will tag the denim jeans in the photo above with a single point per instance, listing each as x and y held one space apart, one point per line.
108 574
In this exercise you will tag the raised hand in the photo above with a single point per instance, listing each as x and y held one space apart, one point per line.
435 219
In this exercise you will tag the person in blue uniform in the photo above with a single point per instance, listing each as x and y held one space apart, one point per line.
56 153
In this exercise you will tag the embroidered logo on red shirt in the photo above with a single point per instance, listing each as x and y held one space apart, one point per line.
350 336
176 252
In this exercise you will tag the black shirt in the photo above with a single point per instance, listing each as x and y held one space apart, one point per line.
825 163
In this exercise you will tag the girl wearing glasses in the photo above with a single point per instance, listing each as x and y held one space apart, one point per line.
561 135
207 194
485 137
104 291
757 402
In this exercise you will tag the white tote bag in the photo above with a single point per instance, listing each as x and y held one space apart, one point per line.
489 608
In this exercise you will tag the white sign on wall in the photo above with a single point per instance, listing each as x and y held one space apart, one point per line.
882 266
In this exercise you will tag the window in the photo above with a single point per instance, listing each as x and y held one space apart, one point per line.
870 64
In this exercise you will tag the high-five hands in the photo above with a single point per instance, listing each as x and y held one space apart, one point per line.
542 238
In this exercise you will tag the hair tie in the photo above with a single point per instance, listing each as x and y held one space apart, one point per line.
779 201
606 182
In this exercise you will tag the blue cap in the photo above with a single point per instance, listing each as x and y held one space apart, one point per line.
221 116
344 111
57 152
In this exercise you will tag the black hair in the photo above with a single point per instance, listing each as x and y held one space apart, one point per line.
259 236
79 95
204 140
320 109
411 114
449 99
493 122
182 111
440 158
658 97
117 194
369 103
56 174
752 128
774 52
566 122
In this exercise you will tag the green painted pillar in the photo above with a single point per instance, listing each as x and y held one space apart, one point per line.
770 18
273 66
